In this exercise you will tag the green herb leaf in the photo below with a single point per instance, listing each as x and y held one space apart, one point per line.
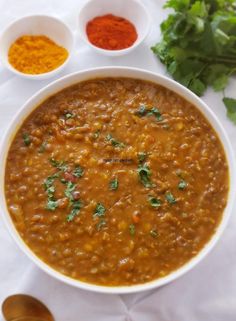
42 148
154 202
156 112
114 184
78 171
182 185
154 233
144 111
50 190
102 223
230 105
70 187
51 205
49 181
61 165
170 198
142 157
99 210
76 207
132 229
26 139
114 142
144 173
198 45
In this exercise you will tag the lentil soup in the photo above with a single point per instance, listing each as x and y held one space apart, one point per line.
116 181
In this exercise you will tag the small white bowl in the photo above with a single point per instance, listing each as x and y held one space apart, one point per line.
49 26
132 10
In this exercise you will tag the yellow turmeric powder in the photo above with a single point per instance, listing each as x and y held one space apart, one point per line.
36 54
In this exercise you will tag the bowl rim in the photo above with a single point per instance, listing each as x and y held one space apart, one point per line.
126 72
119 52
44 75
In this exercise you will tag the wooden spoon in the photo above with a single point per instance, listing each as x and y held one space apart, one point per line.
21 307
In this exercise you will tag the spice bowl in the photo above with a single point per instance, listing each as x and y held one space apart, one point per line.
132 10
40 25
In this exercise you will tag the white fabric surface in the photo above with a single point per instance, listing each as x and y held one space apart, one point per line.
207 293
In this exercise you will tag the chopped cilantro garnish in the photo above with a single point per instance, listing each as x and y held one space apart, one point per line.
154 233
144 173
154 202
142 156
51 205
132 229
114 142
170 198
182 185
70 187
155 112
144 111
78 171
76 206
99 210
113 184
50 190
61 165
26 139
42 147
49 181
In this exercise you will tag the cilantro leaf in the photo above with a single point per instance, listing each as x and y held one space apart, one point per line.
154 202
230 105
70 187
182 185
170 198
99 210
114 184
78 171
51 205
198 45
26 139
76 206
144 111
114 142
42 147
61 165
144 174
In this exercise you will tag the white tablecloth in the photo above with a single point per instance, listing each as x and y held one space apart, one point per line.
207 293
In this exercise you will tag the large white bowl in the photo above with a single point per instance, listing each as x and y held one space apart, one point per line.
53 88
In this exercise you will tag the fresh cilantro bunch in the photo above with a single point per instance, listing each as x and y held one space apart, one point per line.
199 45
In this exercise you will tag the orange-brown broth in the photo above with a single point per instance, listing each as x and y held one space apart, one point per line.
123 251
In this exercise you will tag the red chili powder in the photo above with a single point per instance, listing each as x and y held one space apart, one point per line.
111 32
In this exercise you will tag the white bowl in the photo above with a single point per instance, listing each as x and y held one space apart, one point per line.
132 10
49 26
69 80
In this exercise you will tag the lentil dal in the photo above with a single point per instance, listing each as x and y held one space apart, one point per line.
116 181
